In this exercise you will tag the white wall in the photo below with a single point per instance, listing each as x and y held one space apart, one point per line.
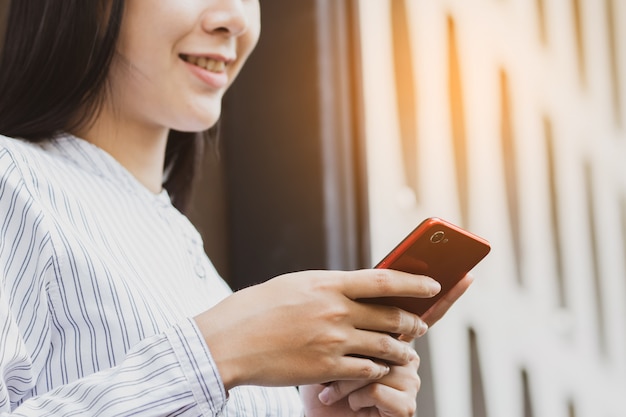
573 368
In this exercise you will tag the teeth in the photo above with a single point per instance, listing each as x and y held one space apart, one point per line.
208 64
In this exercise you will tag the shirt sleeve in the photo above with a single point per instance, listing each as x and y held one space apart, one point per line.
171 373
167 374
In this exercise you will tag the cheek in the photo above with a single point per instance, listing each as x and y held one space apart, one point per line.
251 37
245 46
146 45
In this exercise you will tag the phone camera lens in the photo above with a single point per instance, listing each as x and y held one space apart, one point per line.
437 237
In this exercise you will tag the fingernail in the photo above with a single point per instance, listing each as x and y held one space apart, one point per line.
434 286
423 328
324 396
386 369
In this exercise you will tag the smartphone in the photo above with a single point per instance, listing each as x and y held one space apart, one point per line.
438 249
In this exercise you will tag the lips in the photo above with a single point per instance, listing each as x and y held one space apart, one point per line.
206 63
211 70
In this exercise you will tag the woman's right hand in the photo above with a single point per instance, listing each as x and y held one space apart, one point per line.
308 328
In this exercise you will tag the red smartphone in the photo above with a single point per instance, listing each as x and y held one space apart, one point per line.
438 249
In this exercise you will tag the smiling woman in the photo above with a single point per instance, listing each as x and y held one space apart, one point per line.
76 47
154 86
108 303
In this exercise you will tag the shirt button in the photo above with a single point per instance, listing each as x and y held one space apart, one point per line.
199 269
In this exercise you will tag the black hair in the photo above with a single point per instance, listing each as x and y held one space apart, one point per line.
54 67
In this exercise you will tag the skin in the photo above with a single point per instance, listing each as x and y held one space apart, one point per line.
388 395
152 88
252 334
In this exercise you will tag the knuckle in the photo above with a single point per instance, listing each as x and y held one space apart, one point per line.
318 282
415 329
337 313
385 345
383 281
406 407
411 408
336 387
331 340
369 371
326 363
375 391
408 355
396 320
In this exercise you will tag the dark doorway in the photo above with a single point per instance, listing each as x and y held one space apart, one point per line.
283 190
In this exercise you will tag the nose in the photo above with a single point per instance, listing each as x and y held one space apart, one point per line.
227 17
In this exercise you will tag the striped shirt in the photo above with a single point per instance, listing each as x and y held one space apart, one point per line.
99 279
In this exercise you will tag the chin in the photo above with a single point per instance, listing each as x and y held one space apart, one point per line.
199 124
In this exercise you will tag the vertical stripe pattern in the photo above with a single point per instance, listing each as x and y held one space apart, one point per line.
99 279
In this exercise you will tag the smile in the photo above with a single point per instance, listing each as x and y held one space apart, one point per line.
209 64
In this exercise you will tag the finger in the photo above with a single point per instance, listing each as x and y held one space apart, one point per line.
387 400
400 378
388 319
359 368
372 283
440 308
408 339
338 390
381 347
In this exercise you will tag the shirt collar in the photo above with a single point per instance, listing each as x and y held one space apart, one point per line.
97 161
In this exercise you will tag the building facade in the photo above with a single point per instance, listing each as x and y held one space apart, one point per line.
507 117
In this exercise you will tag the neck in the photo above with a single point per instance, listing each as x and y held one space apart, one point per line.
138 148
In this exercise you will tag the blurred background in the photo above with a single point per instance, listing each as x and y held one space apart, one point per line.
354 120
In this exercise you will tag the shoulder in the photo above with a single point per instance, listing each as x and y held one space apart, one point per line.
26 244
20 146
24 162
13 161
20 208
23 176
17 154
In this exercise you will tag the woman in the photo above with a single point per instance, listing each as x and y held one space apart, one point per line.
108 305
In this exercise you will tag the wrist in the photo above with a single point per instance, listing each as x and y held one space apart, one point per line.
223 355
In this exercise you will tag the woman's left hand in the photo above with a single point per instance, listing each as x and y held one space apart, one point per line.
394 395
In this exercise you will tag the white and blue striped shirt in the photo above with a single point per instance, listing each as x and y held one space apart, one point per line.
99 279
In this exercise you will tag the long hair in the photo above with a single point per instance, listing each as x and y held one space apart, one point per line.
54 68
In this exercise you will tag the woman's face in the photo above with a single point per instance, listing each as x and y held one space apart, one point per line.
176 58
